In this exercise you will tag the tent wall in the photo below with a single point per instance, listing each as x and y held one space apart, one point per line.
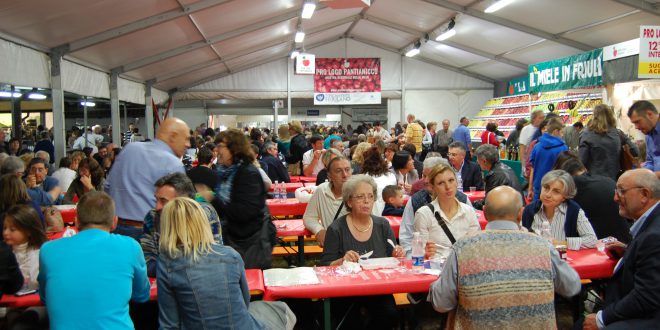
192 116
432 93
23 66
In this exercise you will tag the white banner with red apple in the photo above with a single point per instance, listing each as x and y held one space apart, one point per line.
340 81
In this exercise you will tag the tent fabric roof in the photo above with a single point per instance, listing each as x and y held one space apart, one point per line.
178 44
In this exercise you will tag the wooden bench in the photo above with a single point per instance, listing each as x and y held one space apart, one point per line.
295 238
284 251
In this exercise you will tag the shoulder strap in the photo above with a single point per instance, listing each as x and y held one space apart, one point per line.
338 211
442 223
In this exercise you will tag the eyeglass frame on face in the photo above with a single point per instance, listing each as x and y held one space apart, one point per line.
621 191
364 198
347 170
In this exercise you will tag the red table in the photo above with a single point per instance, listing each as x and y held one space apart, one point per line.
290 187
310 184
395 223
69 213
289 207
477 195
295 178
591 264
365 283
481 218
255 279
295 227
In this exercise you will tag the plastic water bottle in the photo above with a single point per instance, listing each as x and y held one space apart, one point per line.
545 230
282 192
276 192
460 183
417 253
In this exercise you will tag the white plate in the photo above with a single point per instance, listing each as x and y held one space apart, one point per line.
377 263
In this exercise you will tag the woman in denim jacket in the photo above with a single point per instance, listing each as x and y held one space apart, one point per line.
202 284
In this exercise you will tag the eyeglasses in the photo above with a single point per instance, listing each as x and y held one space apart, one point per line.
621 191
363 198
453 154
346 170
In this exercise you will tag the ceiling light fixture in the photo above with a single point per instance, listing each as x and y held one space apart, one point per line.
37 96
448 32
414 50
8 94
300 36
497 5
308 9
87 103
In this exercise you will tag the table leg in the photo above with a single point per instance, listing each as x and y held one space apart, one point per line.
327 320
301 251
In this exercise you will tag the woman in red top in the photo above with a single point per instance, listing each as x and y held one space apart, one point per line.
488 136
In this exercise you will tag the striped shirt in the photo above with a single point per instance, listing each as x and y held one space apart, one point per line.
584 228
414 135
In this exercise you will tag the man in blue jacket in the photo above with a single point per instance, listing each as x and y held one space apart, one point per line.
632 299
545 153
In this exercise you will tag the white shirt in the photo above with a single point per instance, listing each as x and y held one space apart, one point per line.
321 209
307 159
384 134
526 135
584 228
65 176
382 181
92 141
463 223
28 262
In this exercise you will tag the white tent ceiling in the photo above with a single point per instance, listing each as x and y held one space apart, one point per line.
180 43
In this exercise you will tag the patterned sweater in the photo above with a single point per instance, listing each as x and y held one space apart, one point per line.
505 281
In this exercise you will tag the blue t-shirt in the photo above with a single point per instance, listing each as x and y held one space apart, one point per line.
87 280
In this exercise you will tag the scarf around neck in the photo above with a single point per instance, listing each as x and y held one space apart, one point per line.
226 182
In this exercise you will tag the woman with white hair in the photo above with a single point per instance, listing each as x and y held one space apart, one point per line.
354 235
565 216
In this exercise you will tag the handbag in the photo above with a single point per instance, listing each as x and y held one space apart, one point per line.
257 249
626 157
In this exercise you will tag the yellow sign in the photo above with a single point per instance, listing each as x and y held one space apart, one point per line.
649 52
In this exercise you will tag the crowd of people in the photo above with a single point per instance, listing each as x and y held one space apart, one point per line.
144 211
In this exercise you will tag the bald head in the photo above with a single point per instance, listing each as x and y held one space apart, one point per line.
176 134
503 203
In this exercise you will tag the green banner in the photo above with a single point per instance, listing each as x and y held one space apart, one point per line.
517 86
582 70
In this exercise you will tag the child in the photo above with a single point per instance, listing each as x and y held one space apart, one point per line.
393 197
24 232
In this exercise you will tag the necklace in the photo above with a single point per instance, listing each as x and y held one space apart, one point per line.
362 230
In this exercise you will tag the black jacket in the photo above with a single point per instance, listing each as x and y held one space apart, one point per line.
471 176
275 169
243 215
594 194
297 148
600 152
11 279
501 175
633 291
